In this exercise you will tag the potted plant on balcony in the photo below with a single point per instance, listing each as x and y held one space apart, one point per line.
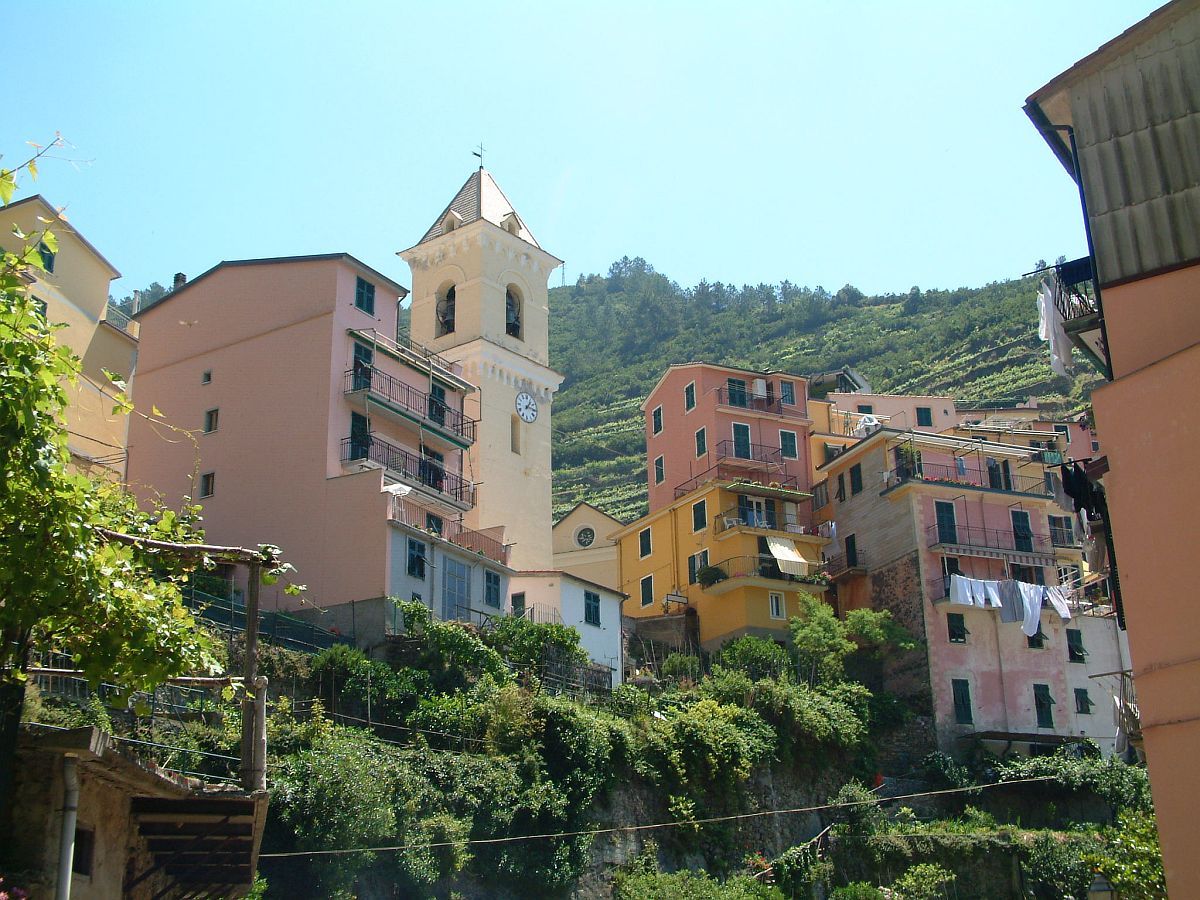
707 576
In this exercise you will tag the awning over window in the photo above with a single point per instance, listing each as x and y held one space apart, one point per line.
788 557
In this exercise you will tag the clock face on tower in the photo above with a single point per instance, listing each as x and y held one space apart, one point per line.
526 407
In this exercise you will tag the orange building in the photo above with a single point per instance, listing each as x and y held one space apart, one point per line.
1123 122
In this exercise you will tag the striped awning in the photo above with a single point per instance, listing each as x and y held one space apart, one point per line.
787 556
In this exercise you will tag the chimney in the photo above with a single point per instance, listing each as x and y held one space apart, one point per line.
180 281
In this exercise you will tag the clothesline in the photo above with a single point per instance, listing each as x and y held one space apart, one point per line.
1018 601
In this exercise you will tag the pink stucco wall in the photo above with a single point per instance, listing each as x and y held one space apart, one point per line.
273 336
676 443
900 410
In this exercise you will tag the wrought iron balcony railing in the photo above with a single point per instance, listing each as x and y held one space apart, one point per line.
409 466
760 453
988 538
120 319
408 513
844 562
753 567
996 479
747 399
768 478
799 522
412 401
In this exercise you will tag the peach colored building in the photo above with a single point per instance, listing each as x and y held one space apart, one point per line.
313 425
1123 121
906 511
729 538
73 290
583 545
902 411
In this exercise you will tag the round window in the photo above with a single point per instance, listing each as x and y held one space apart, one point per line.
585 536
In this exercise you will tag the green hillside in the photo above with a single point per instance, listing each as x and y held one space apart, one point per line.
614 335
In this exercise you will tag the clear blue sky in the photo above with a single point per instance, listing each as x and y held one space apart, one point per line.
877 143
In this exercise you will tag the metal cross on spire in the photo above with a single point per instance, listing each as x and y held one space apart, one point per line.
479 153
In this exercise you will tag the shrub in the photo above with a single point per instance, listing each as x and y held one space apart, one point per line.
692 886
680 667
925 881
757 657
858 810
1122 786
529 646
1131 860
857 890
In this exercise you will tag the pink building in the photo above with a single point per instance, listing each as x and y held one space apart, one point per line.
901 411
913 509
705 421
314 425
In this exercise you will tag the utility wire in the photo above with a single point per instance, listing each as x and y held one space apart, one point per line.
627 828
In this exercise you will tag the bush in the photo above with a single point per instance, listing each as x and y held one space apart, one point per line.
681 667
757 657
692 886
1131 860
861 813
1122 786
857 890
530 646
925 881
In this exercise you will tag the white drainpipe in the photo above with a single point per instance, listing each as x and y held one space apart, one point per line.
66 845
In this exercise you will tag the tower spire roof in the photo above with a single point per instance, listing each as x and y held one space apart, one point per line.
480 198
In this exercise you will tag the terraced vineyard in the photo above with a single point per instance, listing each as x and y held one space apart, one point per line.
614 335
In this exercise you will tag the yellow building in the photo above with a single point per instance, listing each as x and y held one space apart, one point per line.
73 291
734 553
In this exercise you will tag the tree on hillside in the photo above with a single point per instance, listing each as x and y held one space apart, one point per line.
114 608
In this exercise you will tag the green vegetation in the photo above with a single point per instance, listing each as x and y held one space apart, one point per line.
615 335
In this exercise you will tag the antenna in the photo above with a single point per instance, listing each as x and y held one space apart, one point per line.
479 154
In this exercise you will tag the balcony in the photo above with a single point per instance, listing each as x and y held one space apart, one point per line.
410 467
746 399
786 486
408 351
846 564
405 512
120 320
780 520
1064 537
403 398
996 479
992 543
749 453
1073 286
728 574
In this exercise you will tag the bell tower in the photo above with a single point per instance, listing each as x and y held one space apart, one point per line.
480 299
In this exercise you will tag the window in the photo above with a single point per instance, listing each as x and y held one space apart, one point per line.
491 589
644 546
956 628
1043 703
364 296
1022 531
961 689
444 312
361 366
851 545
585 536
700 515
1083 703
924 417
1095 446
787 393
47 256
591 608
360 436
820 495
832 451
736 388
696 562
1065 431
433 524
206 376
689 397
776 604
416 559
647 587
841 487
1062 532
85 851
1027 574
787 445
950 568
660 470
742 448
1037 641
512 312
435 404
1075 651
856 479
518 604
656 420
456 588
947 527
210 420
514 433
208 484
701 442
866 409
